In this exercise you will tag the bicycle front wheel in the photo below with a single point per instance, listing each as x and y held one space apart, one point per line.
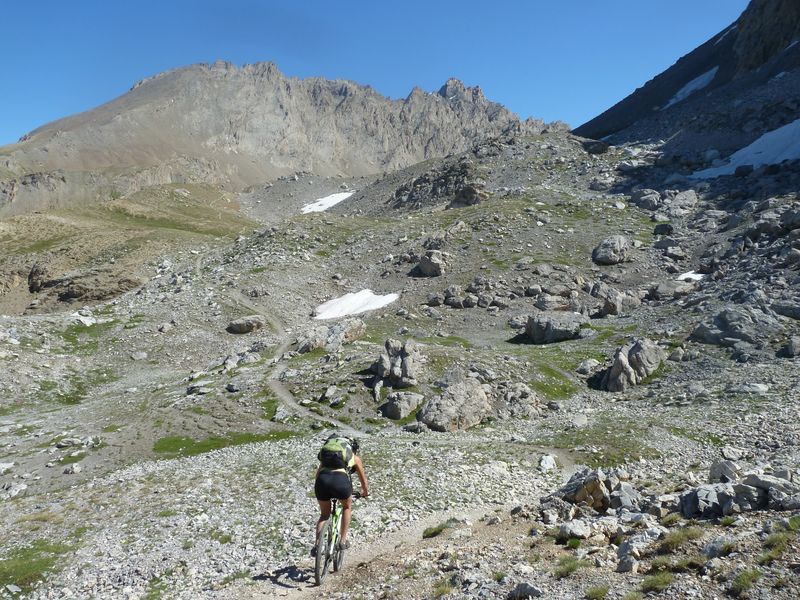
323 557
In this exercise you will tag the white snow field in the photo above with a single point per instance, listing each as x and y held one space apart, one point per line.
695 85
325 203
771 148
353 304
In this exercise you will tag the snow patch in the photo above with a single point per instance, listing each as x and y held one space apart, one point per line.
771 148
690 276
695 85
353 304
325 203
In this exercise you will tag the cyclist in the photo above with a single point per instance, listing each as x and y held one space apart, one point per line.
338 458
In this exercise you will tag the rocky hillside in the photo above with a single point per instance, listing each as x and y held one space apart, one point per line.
235 127
723 95
573 368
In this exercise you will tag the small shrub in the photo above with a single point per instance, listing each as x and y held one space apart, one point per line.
777 540
567 565
573 543
658 582
744 581
696 561
444 587
432 532
499 576
793 523
727 521
671 519
633 596
597 593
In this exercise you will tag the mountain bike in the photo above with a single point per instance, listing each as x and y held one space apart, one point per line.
329 553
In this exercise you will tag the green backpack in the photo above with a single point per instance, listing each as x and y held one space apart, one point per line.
336 453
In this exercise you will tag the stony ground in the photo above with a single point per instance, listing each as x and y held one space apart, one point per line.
149 453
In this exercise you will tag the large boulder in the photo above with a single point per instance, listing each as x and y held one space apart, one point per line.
647 199
632 364
397 366
612 250
593 487
462 405
247 324
732 325
331 337
549 327
399 405
432 264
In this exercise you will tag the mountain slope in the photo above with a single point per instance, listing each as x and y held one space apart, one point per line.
741 83
239 126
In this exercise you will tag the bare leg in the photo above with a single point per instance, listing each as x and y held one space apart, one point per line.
324 515
347 506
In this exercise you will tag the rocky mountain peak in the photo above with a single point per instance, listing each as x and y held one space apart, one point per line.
454 89
239 126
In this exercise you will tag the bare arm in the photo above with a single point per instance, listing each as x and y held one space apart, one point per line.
362 476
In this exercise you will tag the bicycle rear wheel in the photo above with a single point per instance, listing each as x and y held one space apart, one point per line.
324 554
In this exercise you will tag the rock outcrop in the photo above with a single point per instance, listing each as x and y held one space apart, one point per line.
632 364
397 366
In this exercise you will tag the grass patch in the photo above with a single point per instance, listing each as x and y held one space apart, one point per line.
597 593
727 521
573 543
443 587
220 536
111 428
658 582
84 340
174 446
72 458
24 567
269 404
701 437
77 386
605 441
409 418
744 581
682 565
432 532
680 537
450 341
567 565
671 519
235 577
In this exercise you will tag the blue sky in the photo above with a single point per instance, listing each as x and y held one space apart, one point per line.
565 59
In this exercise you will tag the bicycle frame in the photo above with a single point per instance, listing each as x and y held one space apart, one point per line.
335 521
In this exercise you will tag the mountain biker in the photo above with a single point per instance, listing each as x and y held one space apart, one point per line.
338 458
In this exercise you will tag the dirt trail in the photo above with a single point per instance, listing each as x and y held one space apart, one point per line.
273 378
376 556
296 581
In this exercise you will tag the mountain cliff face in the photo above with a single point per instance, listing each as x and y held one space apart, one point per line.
239 126
741 83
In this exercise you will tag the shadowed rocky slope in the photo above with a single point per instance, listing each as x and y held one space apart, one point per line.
722 95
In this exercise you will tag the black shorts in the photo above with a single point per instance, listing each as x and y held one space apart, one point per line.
333 484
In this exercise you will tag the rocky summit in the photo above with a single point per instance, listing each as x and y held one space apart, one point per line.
572 363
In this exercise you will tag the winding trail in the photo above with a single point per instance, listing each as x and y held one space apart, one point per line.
273 377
